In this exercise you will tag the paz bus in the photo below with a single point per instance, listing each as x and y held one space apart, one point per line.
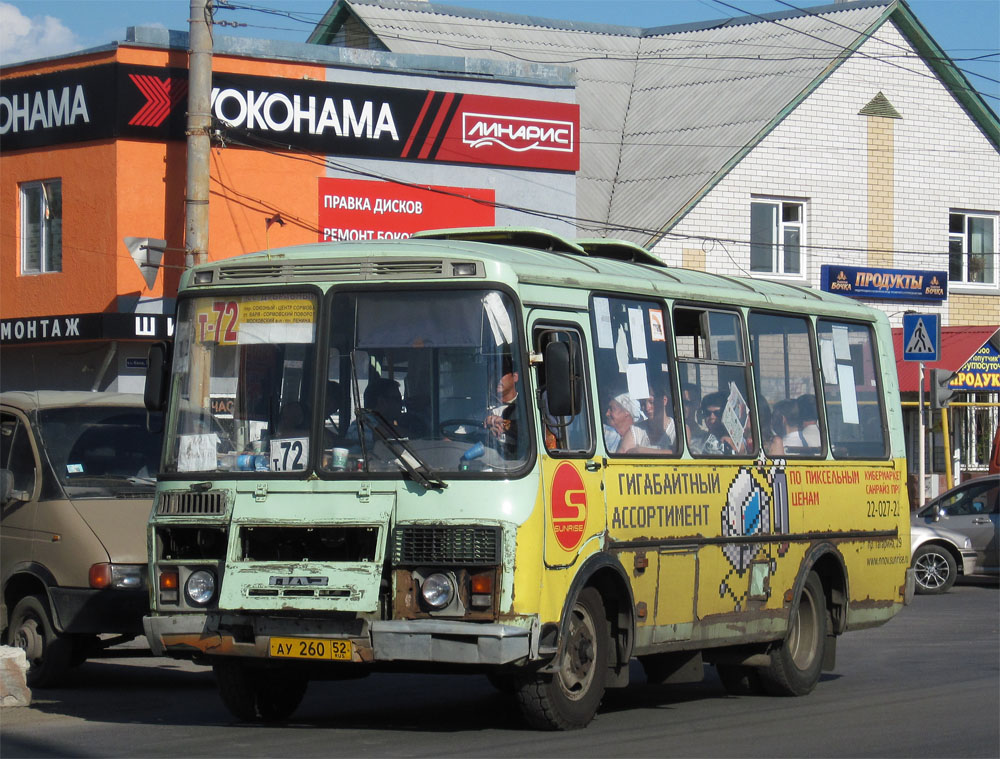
497 451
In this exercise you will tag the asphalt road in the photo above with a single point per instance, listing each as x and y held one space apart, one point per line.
925 685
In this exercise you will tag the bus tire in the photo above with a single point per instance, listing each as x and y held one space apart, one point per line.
49 654
797 661
934 569
255 694
739 680
568 698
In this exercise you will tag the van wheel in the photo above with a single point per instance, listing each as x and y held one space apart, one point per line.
797 661
568 698
934 569
254 694
49 654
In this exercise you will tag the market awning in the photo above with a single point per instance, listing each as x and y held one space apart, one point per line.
958 345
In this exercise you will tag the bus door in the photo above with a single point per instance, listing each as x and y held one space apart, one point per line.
572 486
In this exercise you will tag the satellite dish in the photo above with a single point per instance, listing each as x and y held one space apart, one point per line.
147 252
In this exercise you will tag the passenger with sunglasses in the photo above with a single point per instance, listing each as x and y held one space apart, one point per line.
718 442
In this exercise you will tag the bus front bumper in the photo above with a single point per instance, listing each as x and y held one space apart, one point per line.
422 640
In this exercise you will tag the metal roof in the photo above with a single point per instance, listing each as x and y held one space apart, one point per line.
665 112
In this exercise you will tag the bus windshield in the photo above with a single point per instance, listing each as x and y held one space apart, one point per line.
420 379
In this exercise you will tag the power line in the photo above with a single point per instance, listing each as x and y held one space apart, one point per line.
509 50
256 142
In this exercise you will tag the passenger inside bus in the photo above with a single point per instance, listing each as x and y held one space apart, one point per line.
381 396
718 440
809 417
773 444
659 423
621 434
786 423
291 421
695 434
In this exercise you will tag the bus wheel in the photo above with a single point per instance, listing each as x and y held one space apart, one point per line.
934 569
255 694
48 652
568 698
797 661
739 680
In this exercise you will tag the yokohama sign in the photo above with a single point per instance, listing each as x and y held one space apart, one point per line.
115 100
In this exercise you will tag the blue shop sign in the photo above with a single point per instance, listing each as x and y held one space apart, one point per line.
889 284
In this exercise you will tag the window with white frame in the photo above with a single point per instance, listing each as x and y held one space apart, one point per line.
972 248
41 226
777 231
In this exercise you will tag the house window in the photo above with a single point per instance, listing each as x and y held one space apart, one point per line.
972 248
41 226
776 232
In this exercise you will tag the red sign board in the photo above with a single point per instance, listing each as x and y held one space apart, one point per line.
569 506
500 131
357 209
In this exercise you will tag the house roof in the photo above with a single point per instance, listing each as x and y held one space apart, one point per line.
665 111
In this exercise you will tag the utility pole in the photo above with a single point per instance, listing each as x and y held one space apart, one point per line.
199 141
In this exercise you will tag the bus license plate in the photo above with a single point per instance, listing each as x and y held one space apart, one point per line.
312 648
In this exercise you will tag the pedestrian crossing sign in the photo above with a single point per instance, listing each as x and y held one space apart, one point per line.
921 337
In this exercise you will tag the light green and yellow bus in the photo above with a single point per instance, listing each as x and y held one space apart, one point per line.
502 452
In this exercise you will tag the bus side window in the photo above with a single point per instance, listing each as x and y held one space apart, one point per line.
635 385
784 376
712 365
564 434
852 390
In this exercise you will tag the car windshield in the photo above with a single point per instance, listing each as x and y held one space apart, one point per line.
414 383
101 451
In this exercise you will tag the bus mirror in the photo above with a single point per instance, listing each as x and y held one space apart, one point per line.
157 365
562 385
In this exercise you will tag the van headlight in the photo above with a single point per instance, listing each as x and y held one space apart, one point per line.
121 576
437 590
200 587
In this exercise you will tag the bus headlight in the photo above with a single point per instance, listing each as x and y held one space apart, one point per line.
437 590
200 587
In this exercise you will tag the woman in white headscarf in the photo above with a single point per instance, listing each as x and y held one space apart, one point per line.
621 434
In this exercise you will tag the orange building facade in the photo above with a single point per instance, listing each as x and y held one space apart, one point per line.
310 143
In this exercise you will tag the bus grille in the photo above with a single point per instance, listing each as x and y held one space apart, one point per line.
189 502
430 545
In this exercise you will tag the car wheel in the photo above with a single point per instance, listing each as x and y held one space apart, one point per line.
934 569
49 654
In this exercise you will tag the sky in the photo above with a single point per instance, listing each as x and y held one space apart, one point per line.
968 30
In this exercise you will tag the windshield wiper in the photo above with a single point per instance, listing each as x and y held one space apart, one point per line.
407 458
